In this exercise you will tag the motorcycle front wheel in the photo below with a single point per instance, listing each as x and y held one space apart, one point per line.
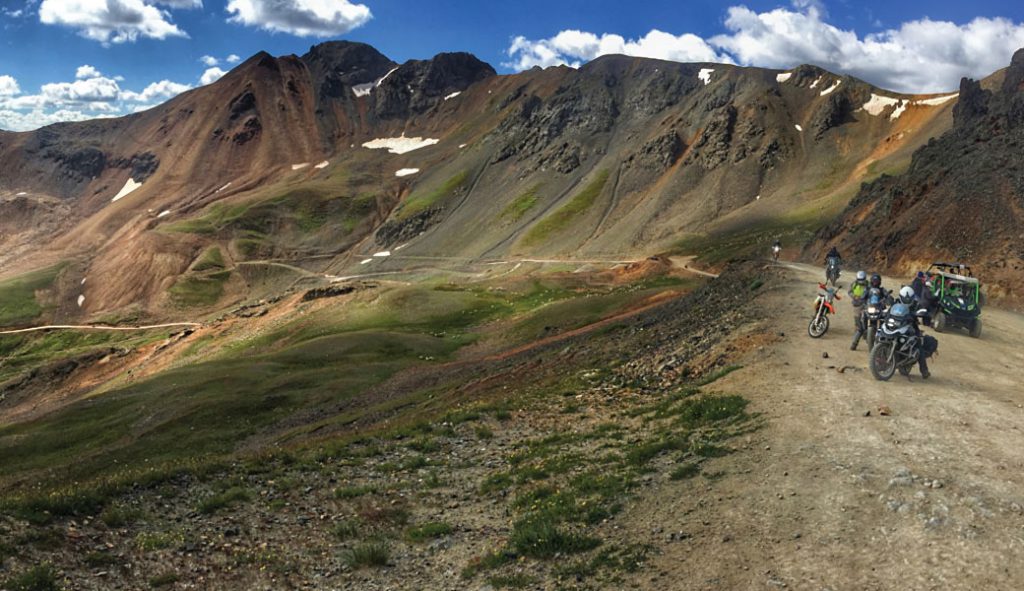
818 326
871 337
882 361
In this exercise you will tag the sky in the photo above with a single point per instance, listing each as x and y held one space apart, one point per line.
64 60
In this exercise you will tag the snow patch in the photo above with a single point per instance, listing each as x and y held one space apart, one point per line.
300 166
780 78
815 83
365 261
363 89
322 164
367 87
831 88
453 95
932 102
899 110
81 300
222 188
798 128
83 281
406 171
758 198
128 187
705 75
163 213
879 103
400 145
462 146
382 254
401 246
21 193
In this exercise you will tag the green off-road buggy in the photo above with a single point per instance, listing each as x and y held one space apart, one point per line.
958 298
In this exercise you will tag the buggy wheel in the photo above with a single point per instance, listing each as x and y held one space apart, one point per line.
818 326
976 328
882 361
939 322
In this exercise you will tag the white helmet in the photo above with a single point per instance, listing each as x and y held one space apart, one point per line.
906 293
862 276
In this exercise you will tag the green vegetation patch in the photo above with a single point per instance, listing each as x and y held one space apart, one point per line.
520 205
37 578
223 500
18 303
210 260
427 531
417 203
565 215
372 554
191 291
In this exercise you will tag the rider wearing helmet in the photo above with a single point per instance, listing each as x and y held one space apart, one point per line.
833 253
858 296
909 298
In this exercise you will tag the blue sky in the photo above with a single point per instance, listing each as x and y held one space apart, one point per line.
141 52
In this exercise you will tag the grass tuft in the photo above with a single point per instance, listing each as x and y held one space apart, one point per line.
428 531
375 553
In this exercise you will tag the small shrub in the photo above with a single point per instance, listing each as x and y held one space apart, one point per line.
120 516
164 580
347 529
540 538
685 471
384 516
496 482
101 559
414 463
514 581
223 500
37 578
428 531
353 492
375 553
484 432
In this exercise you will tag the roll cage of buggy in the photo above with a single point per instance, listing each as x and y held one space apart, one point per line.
957 295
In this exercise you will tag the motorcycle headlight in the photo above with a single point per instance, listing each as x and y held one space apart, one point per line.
872 310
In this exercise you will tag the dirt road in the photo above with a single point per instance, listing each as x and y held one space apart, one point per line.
930 496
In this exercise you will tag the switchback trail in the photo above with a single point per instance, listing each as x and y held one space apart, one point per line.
854 483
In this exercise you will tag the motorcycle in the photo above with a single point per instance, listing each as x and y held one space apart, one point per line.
823 306
832 271
874 311
776 249
897 345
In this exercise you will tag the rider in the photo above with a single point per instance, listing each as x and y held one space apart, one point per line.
918 284
776 247
874 287
833 253
908 298
858 293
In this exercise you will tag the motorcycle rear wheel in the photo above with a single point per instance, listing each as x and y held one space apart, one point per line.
882 362
818 326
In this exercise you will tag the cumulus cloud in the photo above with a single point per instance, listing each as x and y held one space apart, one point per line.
918 56
157 91
115 21
8 86
209 61
573 47
305 18
91 95
211 75
233 59
87 71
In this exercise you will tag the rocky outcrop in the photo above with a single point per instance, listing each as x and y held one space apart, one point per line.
418 85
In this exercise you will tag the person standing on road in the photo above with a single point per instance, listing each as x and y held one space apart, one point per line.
858 293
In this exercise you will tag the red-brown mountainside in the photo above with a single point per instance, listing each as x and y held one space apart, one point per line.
962 198
197 202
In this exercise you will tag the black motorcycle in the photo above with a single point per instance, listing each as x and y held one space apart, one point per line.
876 303
897 344
832 271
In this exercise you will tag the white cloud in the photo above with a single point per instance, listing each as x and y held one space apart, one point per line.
115 21
574 47
92 95
918 56
8 86
233 59
305 18
211 75
87 71
157 91
209 61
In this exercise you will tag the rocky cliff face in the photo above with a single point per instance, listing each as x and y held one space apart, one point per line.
962 198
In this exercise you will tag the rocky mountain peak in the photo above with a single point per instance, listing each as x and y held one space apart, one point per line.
419 84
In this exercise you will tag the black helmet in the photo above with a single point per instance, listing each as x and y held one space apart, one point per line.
876 280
